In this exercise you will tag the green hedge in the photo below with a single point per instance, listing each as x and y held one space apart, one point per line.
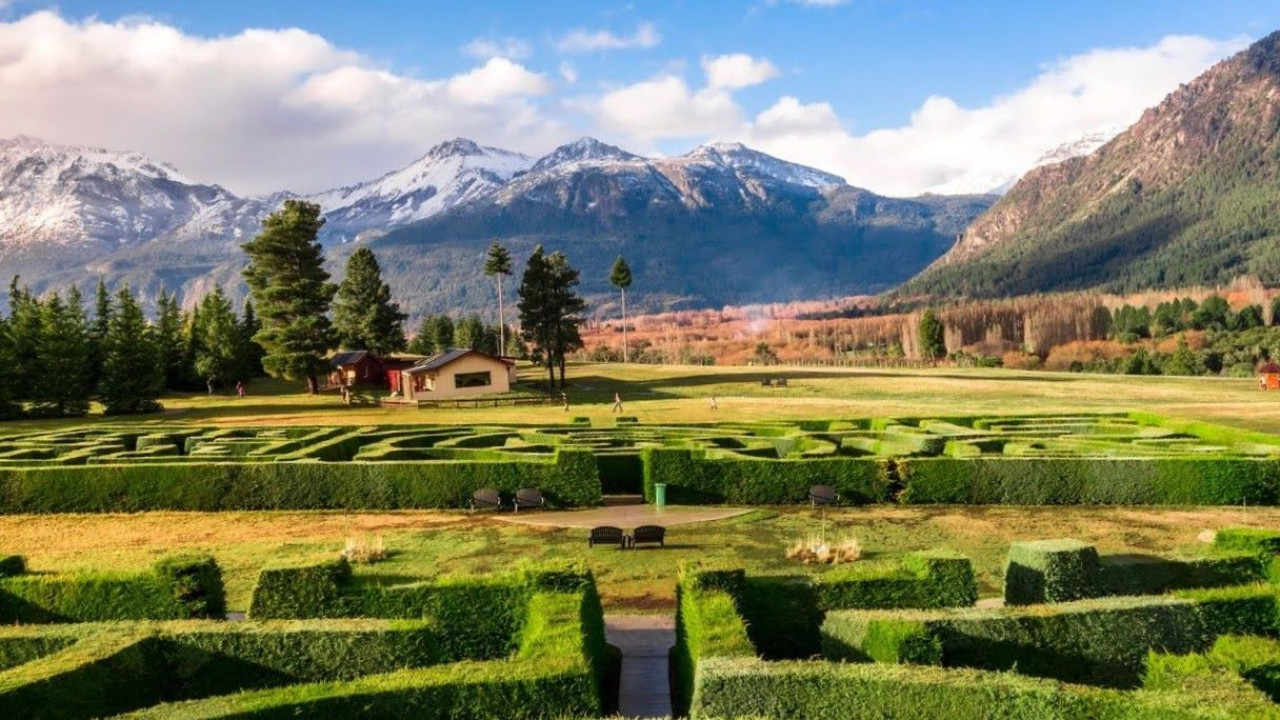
114 669
478 618
1252 540
1255 659
175 588
1089 481
570 480
1103 642
707 626
693 477
862 638
738 687
1051 571
931 579
552 674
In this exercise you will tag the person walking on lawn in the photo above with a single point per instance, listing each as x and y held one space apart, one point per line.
240 389
617 402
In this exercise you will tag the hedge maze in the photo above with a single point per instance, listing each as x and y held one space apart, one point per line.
1196 638
527 644
1101 459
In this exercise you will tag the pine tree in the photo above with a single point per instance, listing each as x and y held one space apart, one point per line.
132 377
252 351
291 292
442 333
9 407
469 333
98 332
569 308
24 338
550 311
423 343
171 342
60 387
497 263
364 316
220 352
620 277
933 343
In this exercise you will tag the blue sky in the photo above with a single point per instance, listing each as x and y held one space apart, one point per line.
806 78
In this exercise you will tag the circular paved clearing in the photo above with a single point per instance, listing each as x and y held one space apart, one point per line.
623 516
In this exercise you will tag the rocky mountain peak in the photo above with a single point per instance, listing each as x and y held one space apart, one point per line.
582 149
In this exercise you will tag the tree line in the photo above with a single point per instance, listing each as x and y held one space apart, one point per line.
59 356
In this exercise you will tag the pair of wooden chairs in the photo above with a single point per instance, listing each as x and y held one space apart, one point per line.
643 535
491 499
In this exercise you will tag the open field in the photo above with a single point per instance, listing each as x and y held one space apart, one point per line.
434 544
670 394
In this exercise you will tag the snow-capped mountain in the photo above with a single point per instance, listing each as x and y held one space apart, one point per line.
450 174
82 197
998 183
758 224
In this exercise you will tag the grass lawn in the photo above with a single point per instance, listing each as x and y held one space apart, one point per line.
658 394
438 543
435 543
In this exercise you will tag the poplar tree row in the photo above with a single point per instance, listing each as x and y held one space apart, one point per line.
60 356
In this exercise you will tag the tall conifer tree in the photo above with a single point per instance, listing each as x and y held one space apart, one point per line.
132 376
497 263
291 292
364 316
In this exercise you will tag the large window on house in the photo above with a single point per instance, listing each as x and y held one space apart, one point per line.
472 380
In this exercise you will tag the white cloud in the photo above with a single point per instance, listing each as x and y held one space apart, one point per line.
259 111
738 70
945 142
506 47
581 40
666 107
568 72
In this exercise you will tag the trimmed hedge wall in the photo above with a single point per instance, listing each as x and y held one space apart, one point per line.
930 579
1102 642
693 477
553 674
1089 481
478 618
740 687
570 480
1050 571
175 588
707 626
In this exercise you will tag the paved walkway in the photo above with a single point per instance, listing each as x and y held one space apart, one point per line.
645 640
623 516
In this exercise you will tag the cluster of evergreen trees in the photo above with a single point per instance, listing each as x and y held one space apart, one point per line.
58 356
1130 324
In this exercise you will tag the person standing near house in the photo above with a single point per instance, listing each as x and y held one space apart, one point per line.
617 402
240 389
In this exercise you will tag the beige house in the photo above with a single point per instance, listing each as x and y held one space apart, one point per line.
457 373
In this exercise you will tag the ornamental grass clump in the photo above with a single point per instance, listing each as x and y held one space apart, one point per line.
818 550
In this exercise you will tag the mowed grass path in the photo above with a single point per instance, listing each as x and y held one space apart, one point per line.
669 394
434 544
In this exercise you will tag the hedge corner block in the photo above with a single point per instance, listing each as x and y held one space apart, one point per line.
1051 571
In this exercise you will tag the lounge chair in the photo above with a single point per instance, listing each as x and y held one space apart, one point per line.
823 495
529 498
486 499
607 535
649 534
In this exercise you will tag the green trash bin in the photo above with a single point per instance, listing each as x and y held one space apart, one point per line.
660 495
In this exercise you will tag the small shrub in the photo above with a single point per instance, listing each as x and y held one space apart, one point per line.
1050 571
818 550
364 550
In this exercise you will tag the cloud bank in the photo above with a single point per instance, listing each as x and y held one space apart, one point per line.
258 111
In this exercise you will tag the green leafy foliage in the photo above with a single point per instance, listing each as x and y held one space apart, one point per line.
364 315
177 587
1051 571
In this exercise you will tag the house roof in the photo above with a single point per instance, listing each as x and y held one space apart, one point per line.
435 362
349 357
1270 368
